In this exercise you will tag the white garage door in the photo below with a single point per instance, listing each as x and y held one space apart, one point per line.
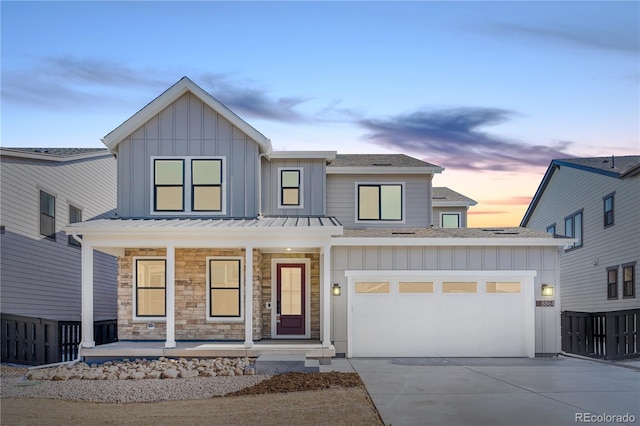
454 314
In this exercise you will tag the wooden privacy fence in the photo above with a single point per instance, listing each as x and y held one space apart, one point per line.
36 341
608 335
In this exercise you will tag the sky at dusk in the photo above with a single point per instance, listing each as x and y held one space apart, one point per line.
491 91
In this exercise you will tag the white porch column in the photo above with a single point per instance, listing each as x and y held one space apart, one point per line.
171 298
325 296
87 296
248 298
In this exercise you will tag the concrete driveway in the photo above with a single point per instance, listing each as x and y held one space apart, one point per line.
500 391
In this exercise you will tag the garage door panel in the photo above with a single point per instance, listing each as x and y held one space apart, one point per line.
439 324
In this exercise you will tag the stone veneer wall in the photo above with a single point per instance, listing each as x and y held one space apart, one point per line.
190 298
315 290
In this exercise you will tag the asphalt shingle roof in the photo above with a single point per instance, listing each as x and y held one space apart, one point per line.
613 164
381 160
442 193
61 152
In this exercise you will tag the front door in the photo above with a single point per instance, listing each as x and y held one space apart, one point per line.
290 303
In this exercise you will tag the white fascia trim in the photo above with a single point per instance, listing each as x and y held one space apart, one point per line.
183 86
436 203
490 242
325 155
435 273
8 152
383 170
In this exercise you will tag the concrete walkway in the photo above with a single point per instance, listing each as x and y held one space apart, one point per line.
499 391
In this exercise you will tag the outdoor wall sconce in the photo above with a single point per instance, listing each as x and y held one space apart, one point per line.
336 290
547 290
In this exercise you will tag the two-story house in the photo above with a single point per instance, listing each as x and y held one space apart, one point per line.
43 190
595 200
225 244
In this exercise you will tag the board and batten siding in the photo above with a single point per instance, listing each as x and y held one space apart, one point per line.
342 199
543 260
584 270
41 277
187 127
313 186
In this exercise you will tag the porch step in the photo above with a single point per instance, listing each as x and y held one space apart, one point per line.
281 363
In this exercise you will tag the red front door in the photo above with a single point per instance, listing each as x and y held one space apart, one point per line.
290 304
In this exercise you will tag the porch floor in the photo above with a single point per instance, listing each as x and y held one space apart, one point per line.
189 349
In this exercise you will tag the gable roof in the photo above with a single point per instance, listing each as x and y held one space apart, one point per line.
614 167
169 96
380 164
55 154
445 197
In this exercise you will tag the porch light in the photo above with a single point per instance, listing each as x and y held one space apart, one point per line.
336 290
547 290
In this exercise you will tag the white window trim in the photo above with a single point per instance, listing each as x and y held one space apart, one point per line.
188 188
451 213
301 186
134 290
375 221
274 296
209 318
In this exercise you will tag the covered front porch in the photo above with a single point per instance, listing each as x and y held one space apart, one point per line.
182 318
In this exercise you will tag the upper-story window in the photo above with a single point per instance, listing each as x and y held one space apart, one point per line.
188 185
629 280
450 220
612 282
47 215
380 201
75 216
551 229
573 228
290 186
608 209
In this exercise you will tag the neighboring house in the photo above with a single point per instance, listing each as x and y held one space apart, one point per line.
596 201
450 208
226 244
43 190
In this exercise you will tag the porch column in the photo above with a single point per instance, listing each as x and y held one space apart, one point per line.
325 296
248 298
171 298
87 296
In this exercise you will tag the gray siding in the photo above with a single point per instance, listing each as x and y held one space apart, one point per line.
342 199
584 276
41 277
187 127
313 186
543 260
461 210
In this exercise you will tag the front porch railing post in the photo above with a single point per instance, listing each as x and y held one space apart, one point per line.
87 295
326 296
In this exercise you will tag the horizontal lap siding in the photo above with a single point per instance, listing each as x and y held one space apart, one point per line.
584 276
41 277
187 127
342 199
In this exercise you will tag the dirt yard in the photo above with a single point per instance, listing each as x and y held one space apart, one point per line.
293 398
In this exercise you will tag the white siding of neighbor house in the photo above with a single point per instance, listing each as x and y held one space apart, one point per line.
342 199
543 260
41 277
187 127
313 189
584 270
438 210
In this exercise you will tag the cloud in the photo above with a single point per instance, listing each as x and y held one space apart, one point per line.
453 138
486 212
512 201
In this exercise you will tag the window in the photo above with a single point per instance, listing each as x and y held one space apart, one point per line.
169 185
629 280
150 287
506 287
459 287
551 229
450 220
187 185
206 180
47 215
290 188
372 287
608 210
380 202
415 287
75 216
224 287
573 228
612 283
